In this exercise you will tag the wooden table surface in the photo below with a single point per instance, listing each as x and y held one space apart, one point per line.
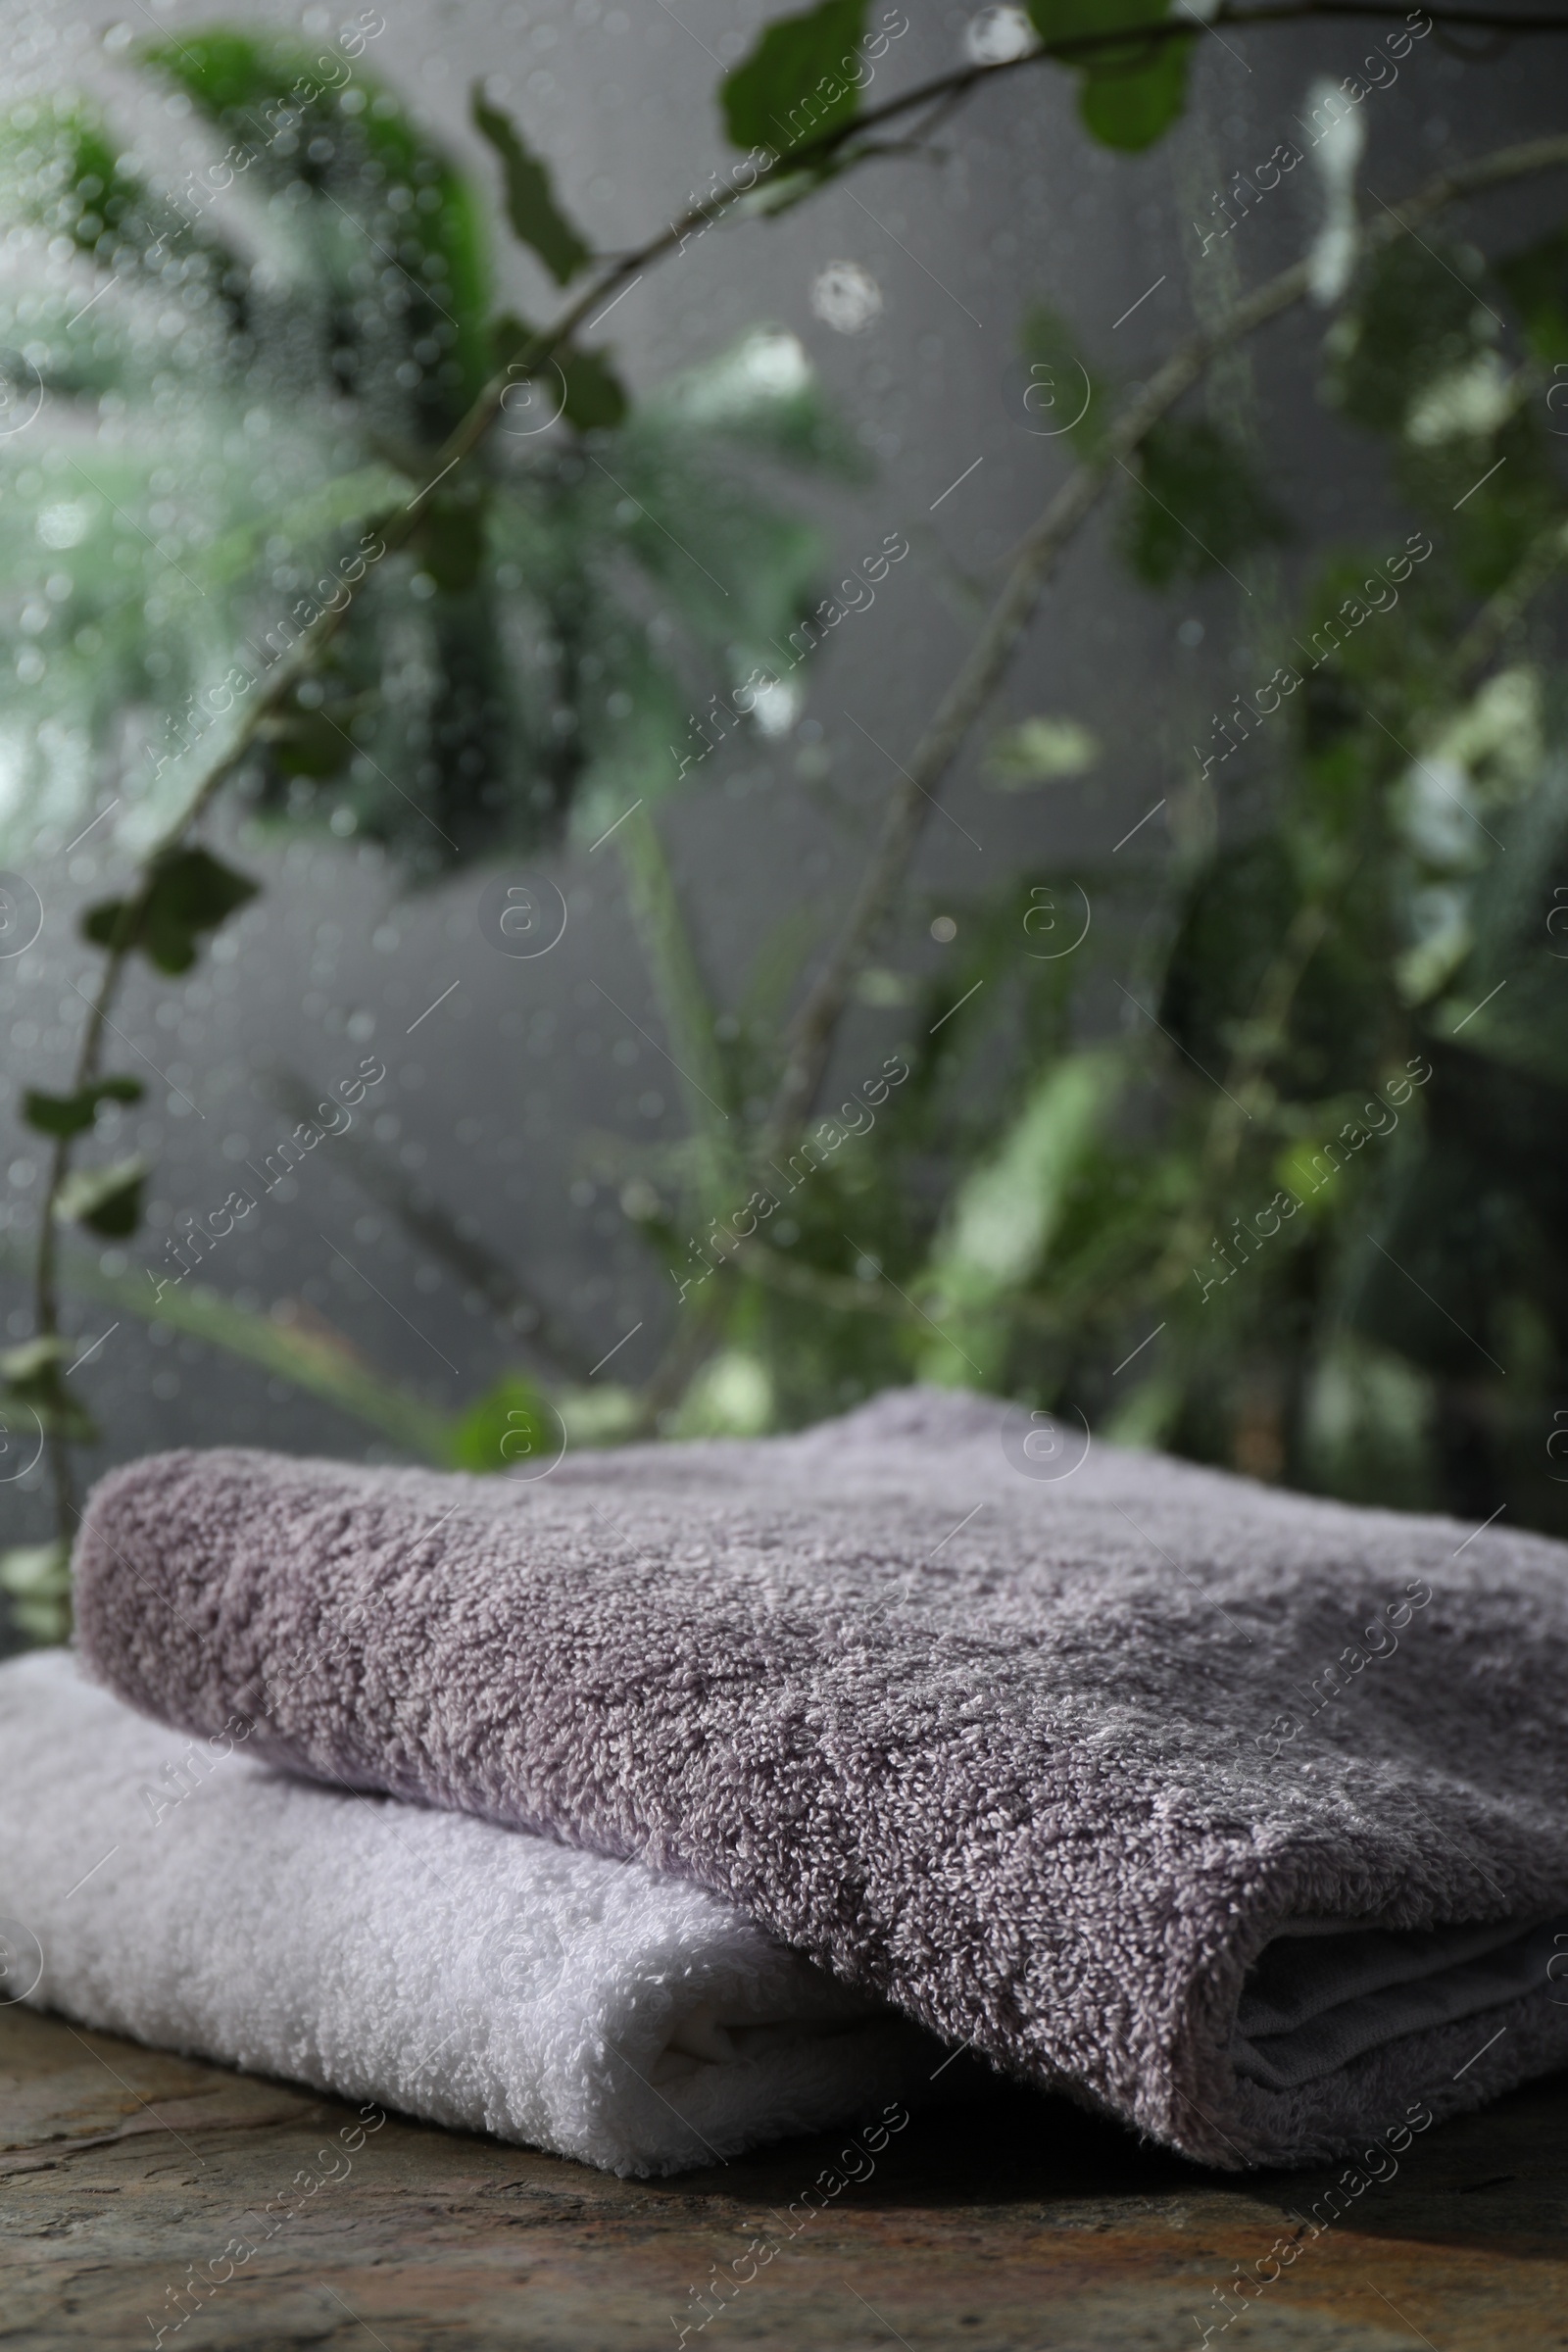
1010 2224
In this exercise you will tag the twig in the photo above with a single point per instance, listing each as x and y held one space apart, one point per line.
816 1023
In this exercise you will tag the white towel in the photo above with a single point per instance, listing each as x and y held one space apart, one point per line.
477 1977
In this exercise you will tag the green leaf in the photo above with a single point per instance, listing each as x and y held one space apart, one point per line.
36 1580
191 892
35 1377
1131 111
1008 1210
531 208
1003 1215
59 1115
37 1568
511 1424
1536 281
605 1414
1132 90
350 148
731 1395
1200 506
87 190
74 1114
108 1201
794 86
596 398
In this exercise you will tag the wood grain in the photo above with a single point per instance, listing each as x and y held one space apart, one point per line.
1012 2224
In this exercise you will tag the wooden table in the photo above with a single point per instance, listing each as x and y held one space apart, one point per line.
1011 2225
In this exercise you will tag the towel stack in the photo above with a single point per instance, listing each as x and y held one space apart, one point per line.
175 1890
656 1806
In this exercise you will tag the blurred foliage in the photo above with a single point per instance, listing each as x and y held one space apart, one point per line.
1130 90
511 1425
188 891
283 354
1038 751
1304 1215
35 1579
1062 392
1296 1208
1203 507
794 86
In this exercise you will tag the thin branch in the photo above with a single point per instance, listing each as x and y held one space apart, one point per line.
816 1024
1484 20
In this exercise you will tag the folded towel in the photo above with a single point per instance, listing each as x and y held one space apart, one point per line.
471 1974
1154 1786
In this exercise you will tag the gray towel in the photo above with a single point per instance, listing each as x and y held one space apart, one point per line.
1150 1785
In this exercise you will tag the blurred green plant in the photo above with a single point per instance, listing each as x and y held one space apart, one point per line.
1306 1215
404 567
555 611
287 352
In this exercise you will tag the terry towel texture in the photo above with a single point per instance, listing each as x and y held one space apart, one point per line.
467 1974
1148 1782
